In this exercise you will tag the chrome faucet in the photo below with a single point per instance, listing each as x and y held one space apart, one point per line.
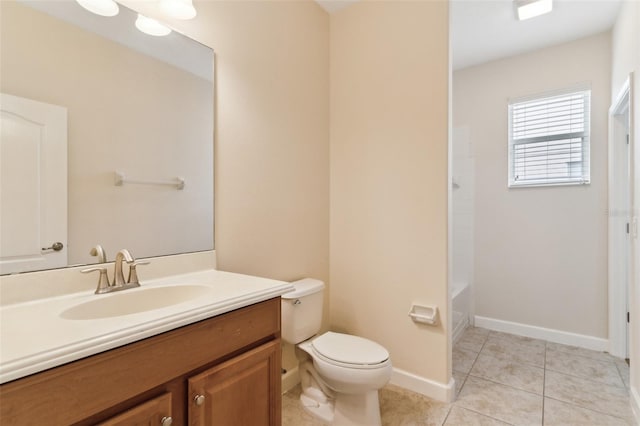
118 276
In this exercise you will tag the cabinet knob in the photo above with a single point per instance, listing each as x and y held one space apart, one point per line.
166 421
199 399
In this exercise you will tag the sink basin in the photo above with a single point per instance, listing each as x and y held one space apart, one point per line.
134 301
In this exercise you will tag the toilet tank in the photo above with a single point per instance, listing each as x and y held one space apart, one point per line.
302 310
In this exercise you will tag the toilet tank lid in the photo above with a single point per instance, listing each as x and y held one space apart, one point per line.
304 287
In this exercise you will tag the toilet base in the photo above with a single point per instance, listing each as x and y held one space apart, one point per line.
357 409
345 410
323 411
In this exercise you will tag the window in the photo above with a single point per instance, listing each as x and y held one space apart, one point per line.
549 140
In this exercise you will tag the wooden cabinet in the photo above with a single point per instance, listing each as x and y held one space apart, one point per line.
232 359
156 412
240 391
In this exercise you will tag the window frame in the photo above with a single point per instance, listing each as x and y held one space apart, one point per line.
585 135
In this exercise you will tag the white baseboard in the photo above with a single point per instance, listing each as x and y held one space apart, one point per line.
290 379
434 390
635 404
551 335
401 378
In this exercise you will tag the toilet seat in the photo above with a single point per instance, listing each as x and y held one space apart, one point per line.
349 351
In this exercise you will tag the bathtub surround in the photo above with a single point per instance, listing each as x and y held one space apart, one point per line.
540 253
388 210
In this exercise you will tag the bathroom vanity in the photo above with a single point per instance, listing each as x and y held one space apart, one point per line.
220 366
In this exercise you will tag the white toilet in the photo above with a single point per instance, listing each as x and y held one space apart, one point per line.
340 374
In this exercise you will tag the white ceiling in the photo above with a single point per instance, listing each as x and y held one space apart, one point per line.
485 30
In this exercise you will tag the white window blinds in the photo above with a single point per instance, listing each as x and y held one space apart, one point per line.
549 140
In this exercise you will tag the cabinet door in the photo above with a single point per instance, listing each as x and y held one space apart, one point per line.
244 391
156 412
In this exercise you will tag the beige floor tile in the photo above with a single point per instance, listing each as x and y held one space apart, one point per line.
463 359
292 412
522 340
460 379
612 400
501 402
623 369
574 350
473 338
459 416
499 379
597 371
400 407
520 376
514 351
557 413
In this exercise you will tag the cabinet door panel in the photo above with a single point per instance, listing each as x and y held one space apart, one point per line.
244 391
149 413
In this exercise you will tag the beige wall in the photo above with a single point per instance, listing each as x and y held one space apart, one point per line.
118 119
272 135
626 59
389 100
389 158
540 253
272 130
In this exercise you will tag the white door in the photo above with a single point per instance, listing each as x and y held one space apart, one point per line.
33 185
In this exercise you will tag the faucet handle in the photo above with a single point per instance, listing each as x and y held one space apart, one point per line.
103 281
133 274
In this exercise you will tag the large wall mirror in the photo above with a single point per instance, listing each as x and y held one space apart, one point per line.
107 138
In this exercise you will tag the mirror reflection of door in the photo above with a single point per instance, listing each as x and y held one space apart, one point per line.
33 184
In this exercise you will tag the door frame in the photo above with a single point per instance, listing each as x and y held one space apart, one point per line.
620 214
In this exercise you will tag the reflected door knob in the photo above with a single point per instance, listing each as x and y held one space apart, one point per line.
199 399
166 421
57 246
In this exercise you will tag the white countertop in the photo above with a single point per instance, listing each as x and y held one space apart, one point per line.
34 337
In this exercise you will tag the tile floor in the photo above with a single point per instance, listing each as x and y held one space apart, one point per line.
502 379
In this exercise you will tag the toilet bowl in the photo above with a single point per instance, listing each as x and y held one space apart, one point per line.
340 374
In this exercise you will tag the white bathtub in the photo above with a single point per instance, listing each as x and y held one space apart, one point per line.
461 308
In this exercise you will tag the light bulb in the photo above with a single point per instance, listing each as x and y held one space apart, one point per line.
531 9
100 7
151 26
178 9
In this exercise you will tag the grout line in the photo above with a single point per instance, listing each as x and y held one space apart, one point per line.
485 415
447 416
586 408
544 380
624 384
589 379
508 386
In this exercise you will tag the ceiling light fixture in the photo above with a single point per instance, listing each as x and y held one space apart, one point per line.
100 7
151 26
178 9
526 9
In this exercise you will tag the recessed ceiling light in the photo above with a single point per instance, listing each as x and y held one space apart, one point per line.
151 26
100 7
178 9
531 8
